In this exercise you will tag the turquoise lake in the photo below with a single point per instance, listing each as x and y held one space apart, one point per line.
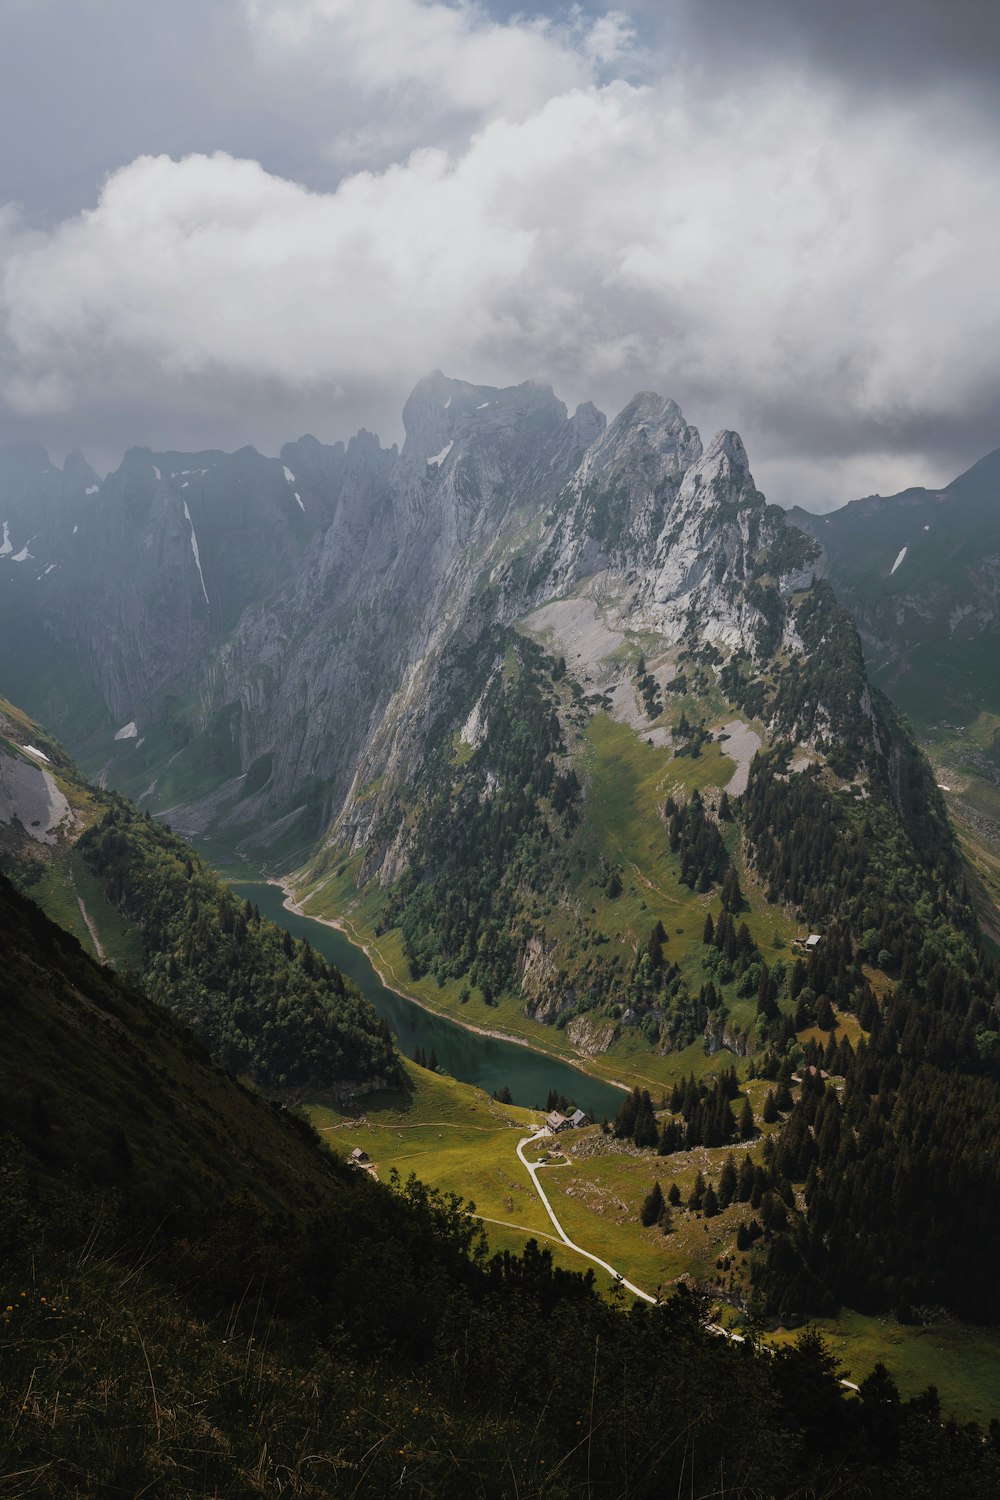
486 1061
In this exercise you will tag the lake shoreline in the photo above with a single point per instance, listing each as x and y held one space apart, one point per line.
292 904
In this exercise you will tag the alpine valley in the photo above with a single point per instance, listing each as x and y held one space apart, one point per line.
574 732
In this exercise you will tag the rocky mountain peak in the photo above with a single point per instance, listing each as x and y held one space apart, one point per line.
588 423
441 411
77 471
726 449
720 477
648 443
344 573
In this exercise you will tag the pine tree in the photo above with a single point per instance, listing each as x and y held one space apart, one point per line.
825 1018
626 1116
674 1195
645 1132
652 1206
745 1185
747 1127
728 1182
697 1192
770 1108
709 934
710 1203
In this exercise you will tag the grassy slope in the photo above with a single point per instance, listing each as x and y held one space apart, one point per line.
455 1138
965 754
628 783
104 1062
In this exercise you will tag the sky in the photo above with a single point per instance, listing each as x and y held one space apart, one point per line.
235 221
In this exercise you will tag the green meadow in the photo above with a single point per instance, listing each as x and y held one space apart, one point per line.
455 1138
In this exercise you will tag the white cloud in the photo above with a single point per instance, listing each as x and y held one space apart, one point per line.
454 56
766 259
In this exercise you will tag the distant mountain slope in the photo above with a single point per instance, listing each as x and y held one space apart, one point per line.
920 571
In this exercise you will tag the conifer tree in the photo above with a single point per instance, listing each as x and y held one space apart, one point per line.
728 1182
652 1206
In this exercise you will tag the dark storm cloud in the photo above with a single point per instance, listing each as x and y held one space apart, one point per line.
902 44
249 218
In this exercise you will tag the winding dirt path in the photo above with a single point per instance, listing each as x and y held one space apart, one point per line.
532 1170
92 929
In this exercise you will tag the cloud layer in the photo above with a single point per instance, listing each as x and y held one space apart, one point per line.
822 278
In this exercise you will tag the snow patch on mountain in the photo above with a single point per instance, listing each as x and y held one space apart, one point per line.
439 458
194 549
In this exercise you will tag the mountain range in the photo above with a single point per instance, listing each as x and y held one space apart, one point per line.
575 731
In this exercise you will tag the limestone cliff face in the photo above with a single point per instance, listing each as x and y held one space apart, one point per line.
284 634
126 583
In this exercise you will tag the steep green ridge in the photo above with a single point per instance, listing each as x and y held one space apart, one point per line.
564 864
540 868
103 1087
323 1335
899 1173
559 865
264 1006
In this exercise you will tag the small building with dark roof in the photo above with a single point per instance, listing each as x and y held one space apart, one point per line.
811 1072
